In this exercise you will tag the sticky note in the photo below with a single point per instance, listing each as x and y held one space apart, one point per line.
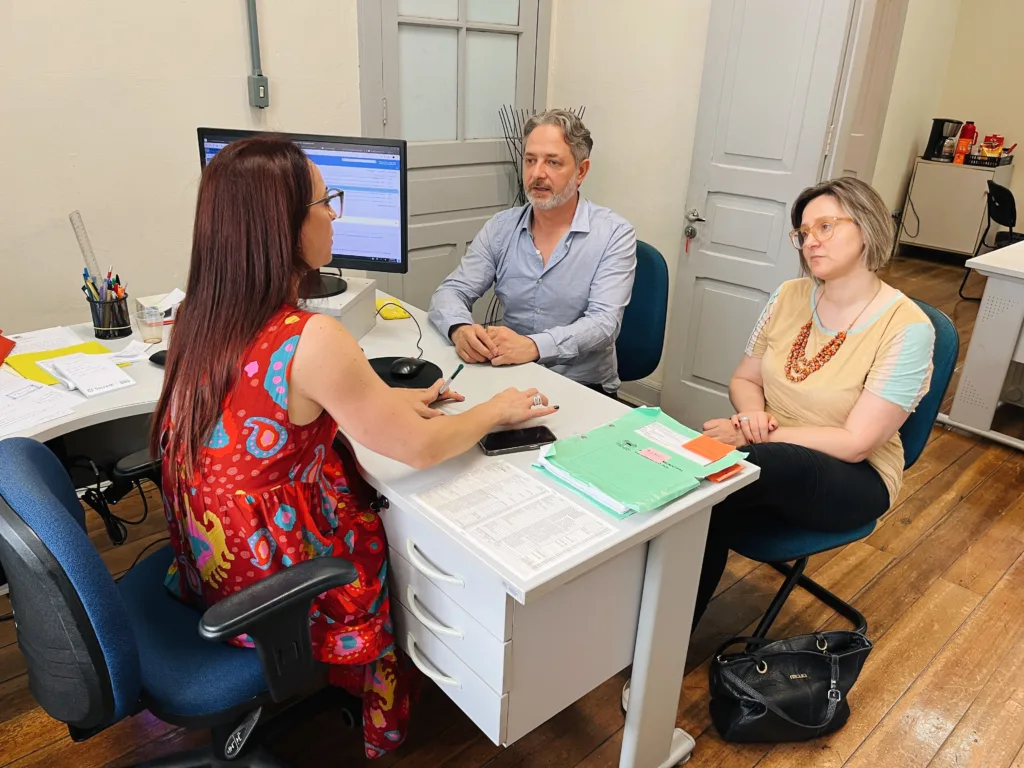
653 455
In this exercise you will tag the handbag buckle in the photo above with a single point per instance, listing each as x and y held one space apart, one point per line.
822 644
761 667
834 694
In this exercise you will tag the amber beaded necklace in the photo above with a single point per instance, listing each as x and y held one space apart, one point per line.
798 367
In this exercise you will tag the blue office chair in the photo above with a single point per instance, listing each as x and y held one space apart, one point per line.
778 543
642 335
99 651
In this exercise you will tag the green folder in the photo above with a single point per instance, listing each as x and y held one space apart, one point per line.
636 463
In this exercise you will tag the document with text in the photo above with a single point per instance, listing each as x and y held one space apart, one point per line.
528 524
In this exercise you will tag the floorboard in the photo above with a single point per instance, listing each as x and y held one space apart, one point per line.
939 582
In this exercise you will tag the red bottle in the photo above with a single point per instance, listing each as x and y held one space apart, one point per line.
968 135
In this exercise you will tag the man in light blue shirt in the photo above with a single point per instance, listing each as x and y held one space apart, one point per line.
562 266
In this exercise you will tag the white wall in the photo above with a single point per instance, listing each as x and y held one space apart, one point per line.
983 79
917 87
100 102
636 67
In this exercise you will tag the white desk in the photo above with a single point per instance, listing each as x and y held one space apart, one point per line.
510 651
996 343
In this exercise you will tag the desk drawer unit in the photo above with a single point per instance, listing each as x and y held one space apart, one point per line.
487 709
436 555
485 654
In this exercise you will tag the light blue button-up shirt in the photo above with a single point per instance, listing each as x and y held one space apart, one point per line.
572 308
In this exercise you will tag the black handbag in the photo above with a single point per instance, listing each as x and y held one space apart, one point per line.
785 690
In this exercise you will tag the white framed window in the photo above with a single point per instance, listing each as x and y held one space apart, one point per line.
441 69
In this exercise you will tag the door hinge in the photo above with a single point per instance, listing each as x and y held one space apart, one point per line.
384 111
828 141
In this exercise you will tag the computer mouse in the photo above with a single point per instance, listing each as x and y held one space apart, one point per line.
159 358
407 367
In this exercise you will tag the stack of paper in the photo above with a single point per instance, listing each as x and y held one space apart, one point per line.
25 404
91 374
135 352
636 463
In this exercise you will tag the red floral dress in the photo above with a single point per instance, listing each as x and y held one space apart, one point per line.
268 494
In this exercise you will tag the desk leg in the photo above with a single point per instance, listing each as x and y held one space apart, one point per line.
988 355
650 739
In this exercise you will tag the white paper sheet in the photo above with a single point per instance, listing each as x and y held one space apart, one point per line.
530 526
135 352
172 298
667 438
25 404
43 341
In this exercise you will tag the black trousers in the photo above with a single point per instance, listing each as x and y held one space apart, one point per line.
799 486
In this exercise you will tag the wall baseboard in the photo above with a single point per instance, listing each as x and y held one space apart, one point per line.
642 392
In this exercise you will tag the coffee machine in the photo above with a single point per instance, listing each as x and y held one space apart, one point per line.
941 146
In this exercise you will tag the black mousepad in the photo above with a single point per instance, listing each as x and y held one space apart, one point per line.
422 380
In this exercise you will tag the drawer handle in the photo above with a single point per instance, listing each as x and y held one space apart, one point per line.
426 570
426 621
428 670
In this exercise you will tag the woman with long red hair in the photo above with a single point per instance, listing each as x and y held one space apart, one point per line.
255 476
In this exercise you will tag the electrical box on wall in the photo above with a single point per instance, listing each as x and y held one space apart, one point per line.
259 91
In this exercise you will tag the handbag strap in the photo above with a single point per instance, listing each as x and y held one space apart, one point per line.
834 696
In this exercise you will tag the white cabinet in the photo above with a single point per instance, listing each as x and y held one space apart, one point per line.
946 205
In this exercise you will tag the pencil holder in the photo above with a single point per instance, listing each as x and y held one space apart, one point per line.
110 318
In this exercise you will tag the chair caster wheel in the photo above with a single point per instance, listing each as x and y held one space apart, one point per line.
349 718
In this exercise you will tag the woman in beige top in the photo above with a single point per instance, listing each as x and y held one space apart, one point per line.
834 366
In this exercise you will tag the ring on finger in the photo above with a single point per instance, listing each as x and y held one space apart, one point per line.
744 418
537 400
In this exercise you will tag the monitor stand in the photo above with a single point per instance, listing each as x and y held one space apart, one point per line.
319 285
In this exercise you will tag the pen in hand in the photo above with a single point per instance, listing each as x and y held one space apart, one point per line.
449 380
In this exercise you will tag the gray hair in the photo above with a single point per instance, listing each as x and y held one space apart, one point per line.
868 211
575 133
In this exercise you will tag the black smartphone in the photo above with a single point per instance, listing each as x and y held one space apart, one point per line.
515 440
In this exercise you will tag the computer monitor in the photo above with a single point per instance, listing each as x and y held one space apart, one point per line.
372 233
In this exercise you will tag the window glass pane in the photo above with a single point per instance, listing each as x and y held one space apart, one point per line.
428 76
431 9
493 11
490 81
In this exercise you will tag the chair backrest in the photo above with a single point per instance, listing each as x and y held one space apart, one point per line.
1002 208
72 626
642 336
915 430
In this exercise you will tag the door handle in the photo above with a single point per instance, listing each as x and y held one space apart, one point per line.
694 215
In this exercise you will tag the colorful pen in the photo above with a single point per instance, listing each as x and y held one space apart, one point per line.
449 380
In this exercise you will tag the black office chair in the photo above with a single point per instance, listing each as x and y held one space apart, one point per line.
99 651
1002 209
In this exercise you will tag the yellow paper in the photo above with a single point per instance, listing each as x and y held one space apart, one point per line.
25 363
389 311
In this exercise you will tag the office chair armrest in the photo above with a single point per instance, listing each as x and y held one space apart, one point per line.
274 612
129 470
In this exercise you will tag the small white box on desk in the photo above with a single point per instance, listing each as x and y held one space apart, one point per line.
165 302
356 308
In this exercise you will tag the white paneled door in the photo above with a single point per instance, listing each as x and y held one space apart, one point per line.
768 90
439 71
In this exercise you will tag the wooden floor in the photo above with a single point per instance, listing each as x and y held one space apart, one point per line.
941 582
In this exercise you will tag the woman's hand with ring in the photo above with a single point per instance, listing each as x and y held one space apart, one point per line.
755 425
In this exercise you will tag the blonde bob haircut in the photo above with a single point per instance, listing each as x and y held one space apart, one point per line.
868 211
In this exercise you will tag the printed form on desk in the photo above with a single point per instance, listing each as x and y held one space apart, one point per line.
531 526
25 404
43 341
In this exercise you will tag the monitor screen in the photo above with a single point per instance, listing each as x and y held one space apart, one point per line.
371 233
